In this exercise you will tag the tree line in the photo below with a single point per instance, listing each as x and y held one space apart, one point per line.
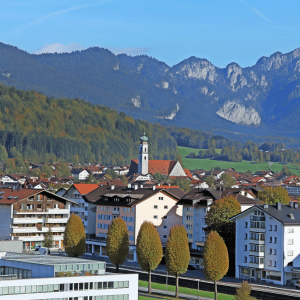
42 129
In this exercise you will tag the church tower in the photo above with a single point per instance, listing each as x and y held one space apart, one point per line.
143 155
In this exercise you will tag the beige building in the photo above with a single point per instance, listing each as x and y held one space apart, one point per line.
134 205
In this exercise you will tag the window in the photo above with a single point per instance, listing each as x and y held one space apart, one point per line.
165 226
124 209
270 251
274 251
269 262
108 208
270 241
155 217
166 207
246 224
275 240
290 252
275 227
270 227
160 198
245 248
204 210
190 236
131 238
246 236
188 209
164 236
274 263
189 218
290 230
245 259
101 207
290 242
188 226
165 217
155 207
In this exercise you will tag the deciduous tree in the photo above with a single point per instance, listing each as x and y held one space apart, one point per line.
273 195
243 292
227 180
221 210
215 258
74 236
177 252
117 243
48 238
148 249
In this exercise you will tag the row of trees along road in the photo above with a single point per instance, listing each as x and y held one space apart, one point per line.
149 247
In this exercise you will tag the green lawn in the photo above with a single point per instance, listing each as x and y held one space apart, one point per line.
184 151
187 291
207 164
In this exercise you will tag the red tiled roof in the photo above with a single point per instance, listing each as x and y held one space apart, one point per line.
188 173
85 188
257 179
21 194
154 166
168 187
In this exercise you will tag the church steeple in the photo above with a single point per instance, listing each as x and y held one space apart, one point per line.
143 155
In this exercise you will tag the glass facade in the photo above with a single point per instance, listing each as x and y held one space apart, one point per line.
63 287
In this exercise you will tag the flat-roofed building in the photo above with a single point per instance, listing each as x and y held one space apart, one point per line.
54 277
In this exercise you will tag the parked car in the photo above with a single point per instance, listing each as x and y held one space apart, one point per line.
37 247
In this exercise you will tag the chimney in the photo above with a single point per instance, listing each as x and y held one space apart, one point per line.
112 187
153 187
278 205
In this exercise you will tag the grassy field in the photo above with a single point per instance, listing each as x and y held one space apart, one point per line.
207 164
187 291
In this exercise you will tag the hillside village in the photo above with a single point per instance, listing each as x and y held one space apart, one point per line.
30 204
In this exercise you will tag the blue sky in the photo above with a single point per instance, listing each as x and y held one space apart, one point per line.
221 31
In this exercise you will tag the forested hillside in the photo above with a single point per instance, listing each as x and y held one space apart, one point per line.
43 129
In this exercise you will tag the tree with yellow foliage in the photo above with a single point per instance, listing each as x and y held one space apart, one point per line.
74 236
117 243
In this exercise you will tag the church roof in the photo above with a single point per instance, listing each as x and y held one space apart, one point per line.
154 166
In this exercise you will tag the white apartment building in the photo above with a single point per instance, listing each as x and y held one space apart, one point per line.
196 204
28 277
27 214
268 243
85 210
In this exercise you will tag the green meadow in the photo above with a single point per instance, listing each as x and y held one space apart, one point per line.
207 164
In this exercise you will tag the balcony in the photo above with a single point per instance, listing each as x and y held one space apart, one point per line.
47 211
257 265
257 242
254 253
56 220
27 220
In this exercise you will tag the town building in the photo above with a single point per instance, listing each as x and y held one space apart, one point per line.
145 168
134 204
32 277
27 214
86 211
197 203
268 244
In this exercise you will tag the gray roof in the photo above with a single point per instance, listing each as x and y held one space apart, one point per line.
283 215
46 259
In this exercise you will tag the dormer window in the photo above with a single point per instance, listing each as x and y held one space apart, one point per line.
105 199
116 199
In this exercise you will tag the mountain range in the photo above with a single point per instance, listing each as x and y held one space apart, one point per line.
261 100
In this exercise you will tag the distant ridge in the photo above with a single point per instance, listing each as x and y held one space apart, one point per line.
260 100
58 48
